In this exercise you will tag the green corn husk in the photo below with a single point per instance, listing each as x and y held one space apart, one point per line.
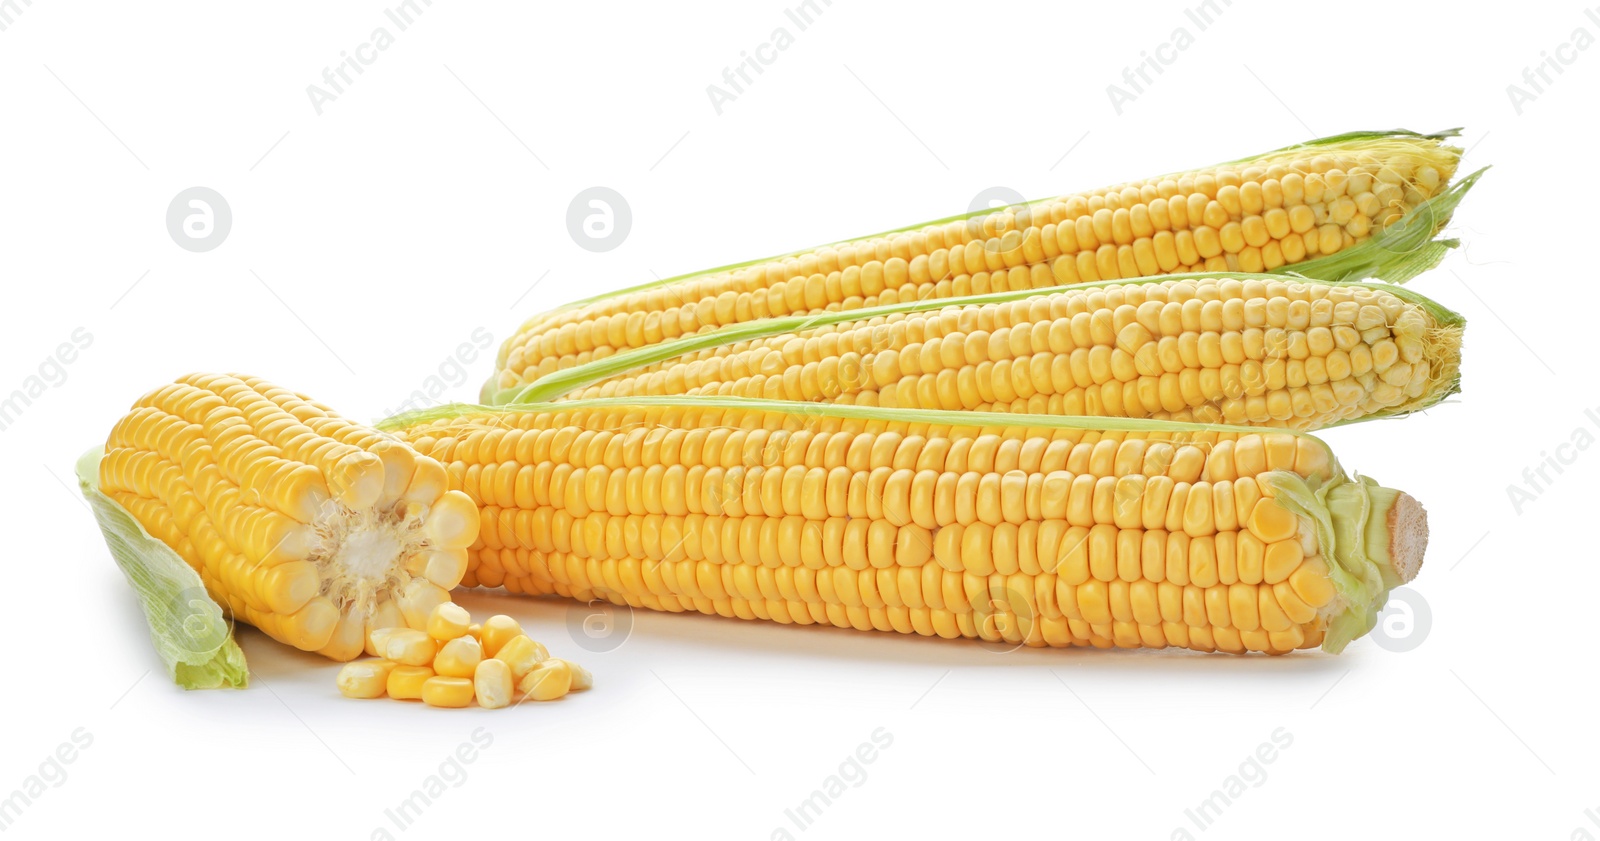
192 635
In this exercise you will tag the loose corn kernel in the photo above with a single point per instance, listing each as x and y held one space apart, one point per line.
405 682
497 631
521 654
364 678
493 684
549 680
458 657
410 647
581 679
444 691
448 621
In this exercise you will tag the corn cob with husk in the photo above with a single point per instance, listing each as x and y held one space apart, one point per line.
1244 349
1359 205
1036 530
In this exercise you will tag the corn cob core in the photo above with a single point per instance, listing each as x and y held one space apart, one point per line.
313 529
1029 530
1255 215
1244 349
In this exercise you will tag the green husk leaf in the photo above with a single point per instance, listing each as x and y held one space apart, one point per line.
191 633
1399 252
1355 137
934 417
1349 516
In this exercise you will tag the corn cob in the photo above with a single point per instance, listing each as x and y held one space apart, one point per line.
1365 204
314 529
1256 349
1036 530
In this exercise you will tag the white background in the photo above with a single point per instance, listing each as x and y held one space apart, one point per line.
430 198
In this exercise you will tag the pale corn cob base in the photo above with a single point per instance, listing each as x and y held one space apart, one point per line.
1407 525
1252 350
1041 537
311 528
1256 215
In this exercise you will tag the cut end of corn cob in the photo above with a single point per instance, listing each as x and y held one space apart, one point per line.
1216 348
1407 524
1358 205
314 529
1374 538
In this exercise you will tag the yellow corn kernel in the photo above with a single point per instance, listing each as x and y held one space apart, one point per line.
497 631
492 684
384 617
448 621
378 639
581 679
458 657
521 654
410 647
1311 583
549 680
443 691
418 600
1271 522
1281 560
405 682
453 521
364 678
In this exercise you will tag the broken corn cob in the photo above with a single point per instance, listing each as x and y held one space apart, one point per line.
1363 204
1243 349
312 528
1036 530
